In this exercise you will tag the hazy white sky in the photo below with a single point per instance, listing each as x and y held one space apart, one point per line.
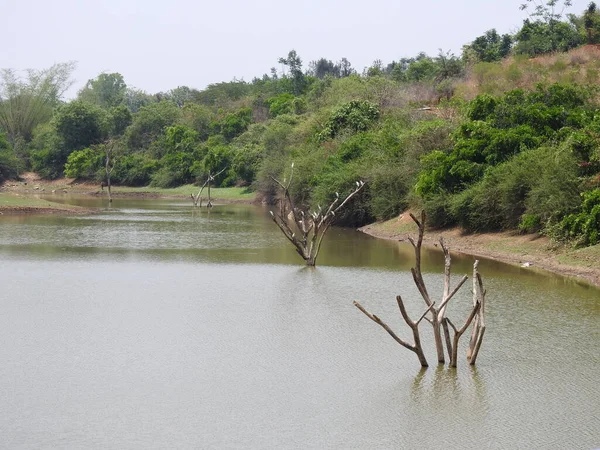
159 45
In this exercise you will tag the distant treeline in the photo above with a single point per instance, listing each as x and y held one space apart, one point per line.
504 136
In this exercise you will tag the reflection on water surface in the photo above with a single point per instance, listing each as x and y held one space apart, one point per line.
154 326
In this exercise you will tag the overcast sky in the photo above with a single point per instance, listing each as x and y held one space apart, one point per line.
159 45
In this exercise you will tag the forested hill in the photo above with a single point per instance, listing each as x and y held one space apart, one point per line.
504 136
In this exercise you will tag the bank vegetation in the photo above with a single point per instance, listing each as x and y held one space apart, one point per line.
504 136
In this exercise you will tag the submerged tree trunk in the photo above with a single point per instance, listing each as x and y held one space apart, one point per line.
436 315
479 322
197 199
311 227
109 165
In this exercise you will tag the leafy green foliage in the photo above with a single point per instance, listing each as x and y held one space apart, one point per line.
121 118
591 24
149 123
106 90
297 80
497 129
27 103
80 124
8 161
537 38
221 94
76 125
181 155
505 160
135 169
84 163
490 47
199 118
583 227
353 116
233 124
285 104
497 202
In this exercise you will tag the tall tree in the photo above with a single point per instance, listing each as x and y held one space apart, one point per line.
490 46
134 99
8 162
546 25
323 67
181 95
346 68
546 11
294 64
591 24
27 102
80 125
106 90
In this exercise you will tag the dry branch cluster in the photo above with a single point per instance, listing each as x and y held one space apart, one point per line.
435 314
197 199
309 226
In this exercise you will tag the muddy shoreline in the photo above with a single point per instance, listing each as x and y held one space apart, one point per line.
534 251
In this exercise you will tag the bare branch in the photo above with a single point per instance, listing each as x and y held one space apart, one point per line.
378 321
459 333
424 314
454 291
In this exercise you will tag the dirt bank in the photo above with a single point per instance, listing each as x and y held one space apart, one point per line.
30 184
524 250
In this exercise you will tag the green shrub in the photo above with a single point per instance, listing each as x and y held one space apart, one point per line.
557 184
530 223
281 104
9 164
502 127
233 124
583 227
497 202
438 212
135 169
84 163
388 192
354 116
164 178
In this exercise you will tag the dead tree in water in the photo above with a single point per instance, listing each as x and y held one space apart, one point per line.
311 227
197 199
479 321
109 165
436 315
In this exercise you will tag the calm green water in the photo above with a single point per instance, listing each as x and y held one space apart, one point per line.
153 326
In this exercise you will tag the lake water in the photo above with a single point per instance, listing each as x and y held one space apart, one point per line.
151 325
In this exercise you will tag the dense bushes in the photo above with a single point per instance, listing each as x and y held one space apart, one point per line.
353 116
510 196
583 227
8 161
513 160
85 163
